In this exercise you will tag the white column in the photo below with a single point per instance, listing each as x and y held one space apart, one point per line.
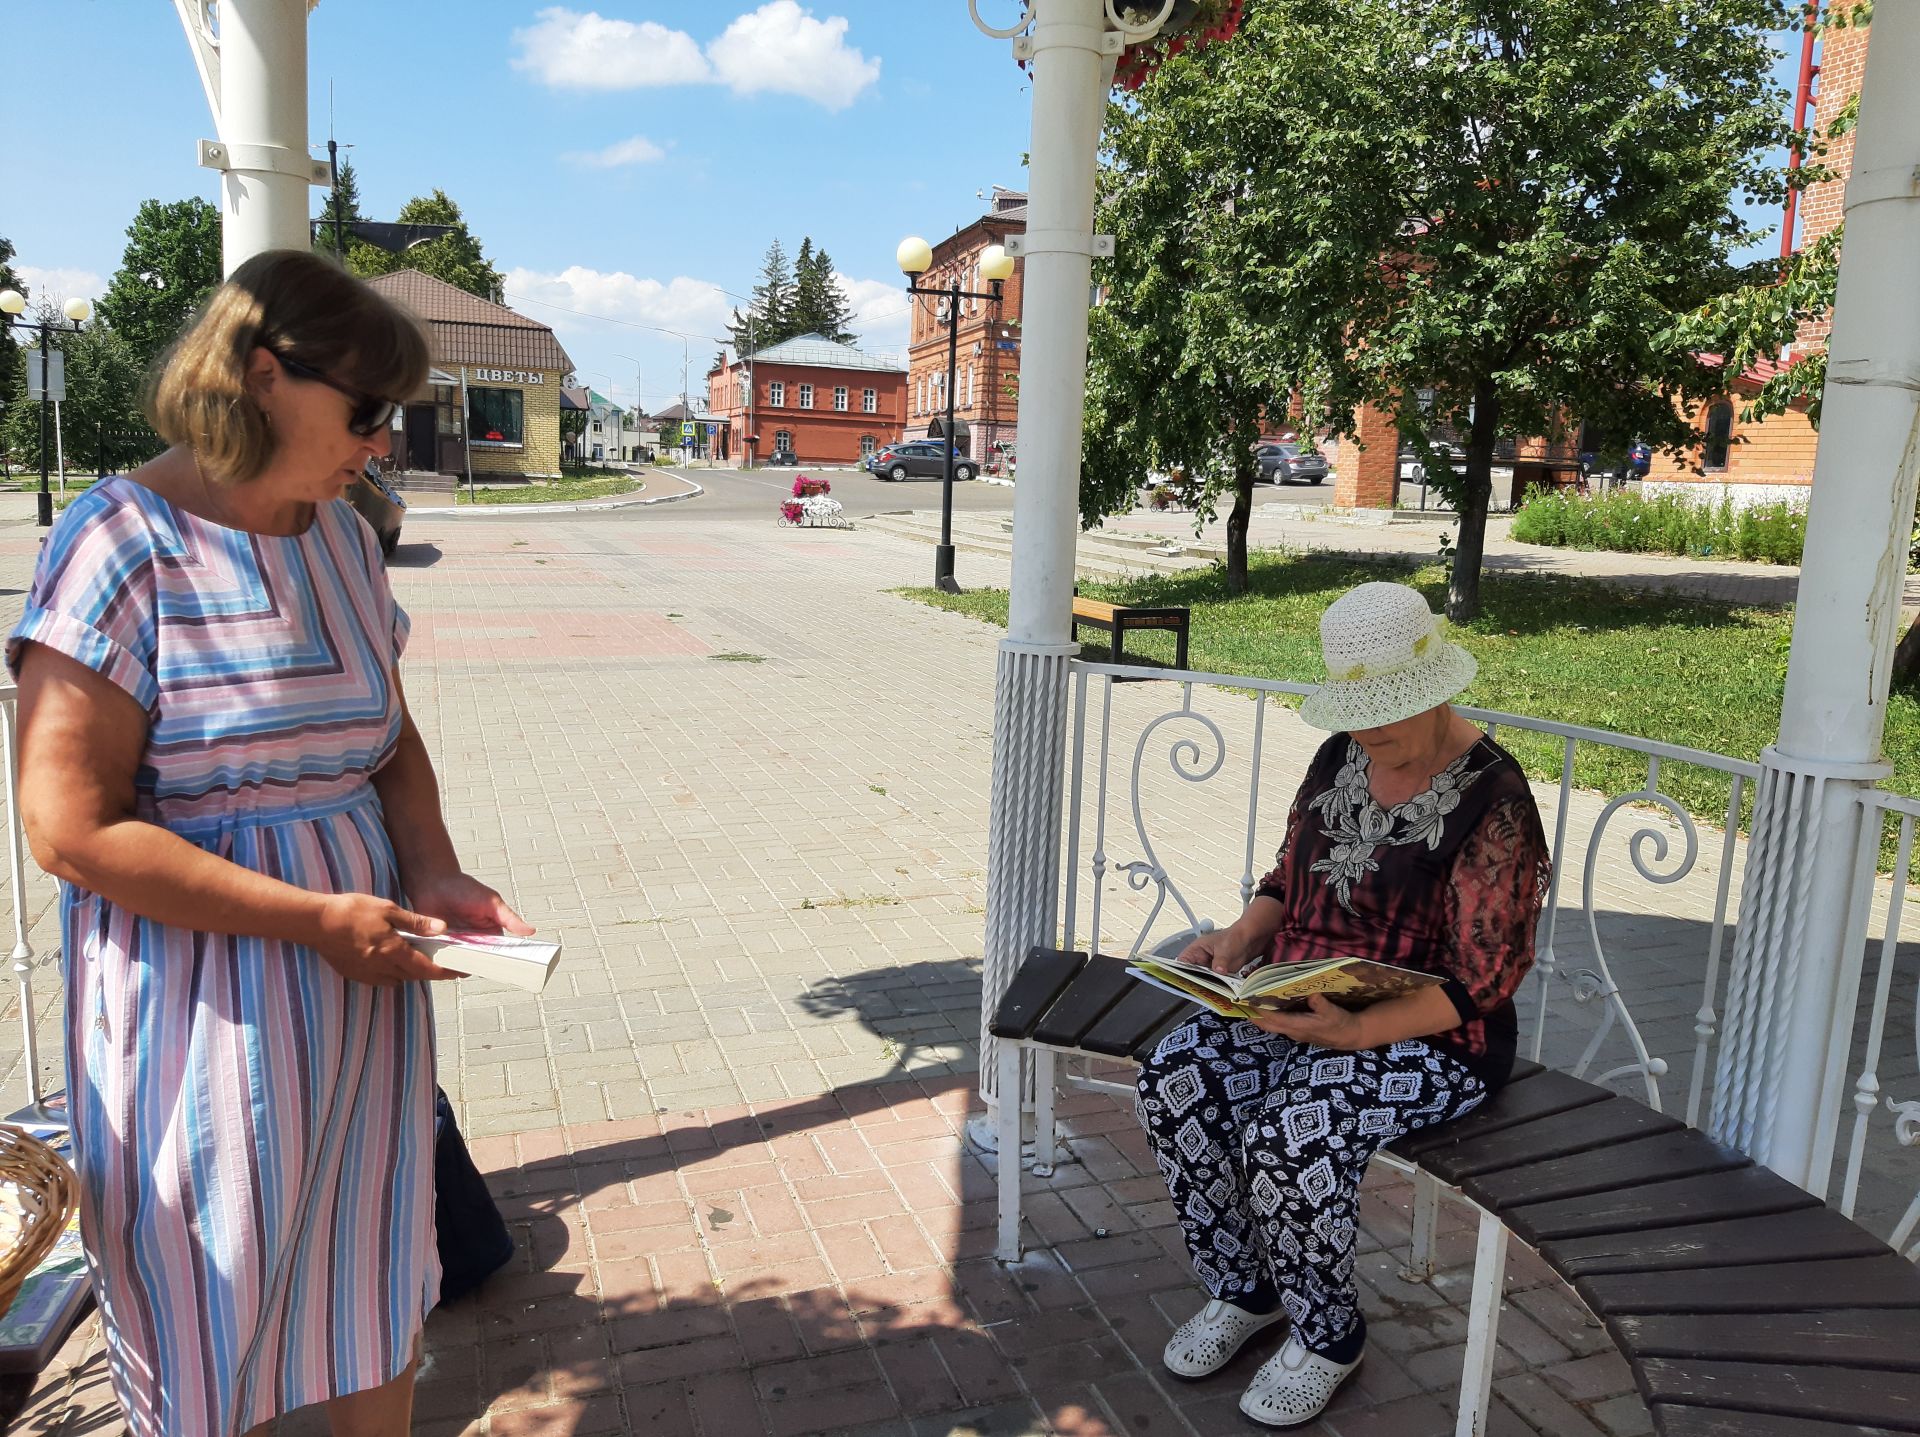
262 117
1790 1009
1071 77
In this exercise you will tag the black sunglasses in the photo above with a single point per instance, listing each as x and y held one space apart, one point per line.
370 414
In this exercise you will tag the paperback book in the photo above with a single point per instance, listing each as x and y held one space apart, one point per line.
524 963
1283 987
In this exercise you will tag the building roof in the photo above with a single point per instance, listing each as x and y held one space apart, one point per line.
463 328
819 352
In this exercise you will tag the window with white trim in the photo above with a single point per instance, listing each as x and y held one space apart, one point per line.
969 385
869 401
783 440
840 398
867 446
806 396
777 394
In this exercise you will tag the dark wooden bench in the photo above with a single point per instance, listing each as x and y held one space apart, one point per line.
1745 1307
1118 620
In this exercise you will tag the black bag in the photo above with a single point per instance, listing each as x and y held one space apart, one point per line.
473 1238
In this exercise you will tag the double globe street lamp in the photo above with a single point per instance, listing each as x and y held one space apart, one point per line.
915 257
13 304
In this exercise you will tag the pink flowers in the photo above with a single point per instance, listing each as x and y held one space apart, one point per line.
792 510
1214 20
805 488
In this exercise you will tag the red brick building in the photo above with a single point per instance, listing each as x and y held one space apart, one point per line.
986 380
828 403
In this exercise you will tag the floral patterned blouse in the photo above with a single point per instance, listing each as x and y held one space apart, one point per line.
1450 882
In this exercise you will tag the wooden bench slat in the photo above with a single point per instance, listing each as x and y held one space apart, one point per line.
1145 1010
1603 1170
1891 1399
1041 979
1884 1280
1674 1421
1103 982
1596 1125
1740 1193
1522 1100
1522 1068
1837 1337
1803 1234
1144 1048
1096 611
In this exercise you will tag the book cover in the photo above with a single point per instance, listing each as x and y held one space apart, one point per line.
524 963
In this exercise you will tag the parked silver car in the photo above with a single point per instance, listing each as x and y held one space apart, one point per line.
1289 462
926 457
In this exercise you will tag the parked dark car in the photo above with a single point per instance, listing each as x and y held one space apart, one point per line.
1639 458
1291 463
782 459
927 457
380 505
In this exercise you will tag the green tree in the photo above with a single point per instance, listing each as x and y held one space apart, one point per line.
1502 201
171 262
1179 372
772 306
456 258
820 304
343 204
13 368
104 376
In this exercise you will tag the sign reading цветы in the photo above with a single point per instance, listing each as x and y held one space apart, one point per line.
508 376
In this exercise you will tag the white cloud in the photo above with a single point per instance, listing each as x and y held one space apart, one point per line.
779 48
638 150
692 306
50 286
880 312
782 48
571 50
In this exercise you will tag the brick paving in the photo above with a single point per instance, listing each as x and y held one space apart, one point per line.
748 786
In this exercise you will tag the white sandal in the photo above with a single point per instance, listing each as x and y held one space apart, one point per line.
1294 1386
1208 1341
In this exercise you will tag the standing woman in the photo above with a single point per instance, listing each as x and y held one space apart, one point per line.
218 764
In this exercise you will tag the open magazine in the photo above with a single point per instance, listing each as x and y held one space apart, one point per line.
1282 987
522 962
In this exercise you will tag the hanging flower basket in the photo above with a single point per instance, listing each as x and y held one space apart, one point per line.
1192 25
805 488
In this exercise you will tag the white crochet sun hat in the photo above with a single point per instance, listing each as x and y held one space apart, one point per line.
1386 660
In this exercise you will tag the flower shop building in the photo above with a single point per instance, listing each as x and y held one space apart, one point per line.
822 401
493 395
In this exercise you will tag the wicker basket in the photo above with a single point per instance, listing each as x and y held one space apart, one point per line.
38 1194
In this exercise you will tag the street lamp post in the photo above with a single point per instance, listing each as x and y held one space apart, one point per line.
14 304
914 257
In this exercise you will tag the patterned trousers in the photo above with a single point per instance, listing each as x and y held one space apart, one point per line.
1263 1142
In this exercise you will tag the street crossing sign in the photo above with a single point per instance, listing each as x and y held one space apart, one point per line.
687 429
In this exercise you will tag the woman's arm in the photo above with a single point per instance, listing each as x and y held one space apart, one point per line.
81 742
430 872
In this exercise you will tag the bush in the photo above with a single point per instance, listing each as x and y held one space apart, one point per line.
1774 532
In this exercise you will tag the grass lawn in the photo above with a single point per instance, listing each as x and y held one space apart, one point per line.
594 484
1684 671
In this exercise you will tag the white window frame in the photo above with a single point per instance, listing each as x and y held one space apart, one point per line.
783 439
777 393
806 396
869 446
869 401
840 398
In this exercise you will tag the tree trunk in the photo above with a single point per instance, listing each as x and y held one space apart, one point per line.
1245 468
1463 588
1906 657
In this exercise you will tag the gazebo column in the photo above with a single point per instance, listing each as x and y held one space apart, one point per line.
1072 68
256 83
1793 990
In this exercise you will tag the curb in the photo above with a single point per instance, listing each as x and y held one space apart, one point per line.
586 506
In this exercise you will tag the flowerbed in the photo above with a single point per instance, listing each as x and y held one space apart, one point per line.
1773 532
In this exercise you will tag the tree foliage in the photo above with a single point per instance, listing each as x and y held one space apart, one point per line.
1501 201
801 296
13 368
456 258
104 375
342 205
170 264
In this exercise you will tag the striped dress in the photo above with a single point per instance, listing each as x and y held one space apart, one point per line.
253 1132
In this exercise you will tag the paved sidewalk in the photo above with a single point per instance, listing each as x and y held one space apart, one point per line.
749 788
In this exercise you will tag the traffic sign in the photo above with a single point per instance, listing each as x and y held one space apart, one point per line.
687 429
55 380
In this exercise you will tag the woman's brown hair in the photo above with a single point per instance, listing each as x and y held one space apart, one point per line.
299 305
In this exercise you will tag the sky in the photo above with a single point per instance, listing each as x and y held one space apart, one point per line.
623 162
627 159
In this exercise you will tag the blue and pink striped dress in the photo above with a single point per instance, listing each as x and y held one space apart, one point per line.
252 1131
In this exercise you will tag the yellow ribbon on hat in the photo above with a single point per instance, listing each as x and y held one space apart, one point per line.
1356 672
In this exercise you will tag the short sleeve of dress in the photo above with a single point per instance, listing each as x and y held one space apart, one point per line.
93 596
1494 895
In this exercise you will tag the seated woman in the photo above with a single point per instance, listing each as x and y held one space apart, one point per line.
1414 840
